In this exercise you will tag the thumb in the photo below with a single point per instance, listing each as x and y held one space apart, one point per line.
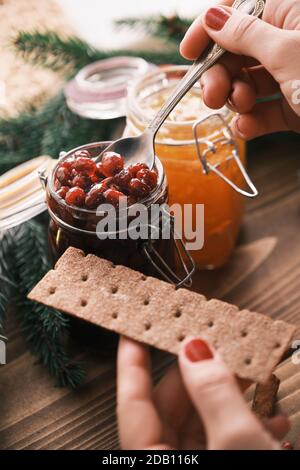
228 422
247 35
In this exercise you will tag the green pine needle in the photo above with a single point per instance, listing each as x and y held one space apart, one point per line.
50 50
69 54
5 296
47 131
7 287
7 277
54 127
172 28
45 329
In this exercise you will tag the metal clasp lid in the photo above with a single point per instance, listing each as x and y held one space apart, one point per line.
162 267
21 195
226 138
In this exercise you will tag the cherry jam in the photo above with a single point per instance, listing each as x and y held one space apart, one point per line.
78 185
82 182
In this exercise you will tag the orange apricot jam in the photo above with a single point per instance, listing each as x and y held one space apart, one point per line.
175 147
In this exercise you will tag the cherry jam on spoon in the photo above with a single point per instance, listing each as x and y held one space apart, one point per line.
82 182
141 148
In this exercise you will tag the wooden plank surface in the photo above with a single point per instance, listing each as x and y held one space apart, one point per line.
264 275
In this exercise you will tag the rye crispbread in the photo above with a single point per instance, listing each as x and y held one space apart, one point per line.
154 312
265 397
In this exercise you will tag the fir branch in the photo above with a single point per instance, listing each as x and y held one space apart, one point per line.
45 328
7 289
54 127
66 130
170 28
5 297
47 131
52 51
7 277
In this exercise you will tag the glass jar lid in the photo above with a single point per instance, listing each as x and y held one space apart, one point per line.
99 90
21 194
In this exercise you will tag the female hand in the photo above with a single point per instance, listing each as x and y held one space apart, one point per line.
196 405
263 60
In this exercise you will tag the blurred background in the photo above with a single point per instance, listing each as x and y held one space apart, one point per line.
93 19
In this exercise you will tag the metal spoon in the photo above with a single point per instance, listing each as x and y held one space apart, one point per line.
141 148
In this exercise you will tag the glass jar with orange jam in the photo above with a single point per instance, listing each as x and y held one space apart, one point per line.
175 145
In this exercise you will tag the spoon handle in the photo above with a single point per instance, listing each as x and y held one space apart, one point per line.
209 57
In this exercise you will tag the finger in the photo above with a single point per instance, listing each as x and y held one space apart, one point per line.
216 86
192 434
234 64
228 421
138 420
171 398
240 34
278 426
242 97
243 384
223 78
196 38
262 81
252 83
264 119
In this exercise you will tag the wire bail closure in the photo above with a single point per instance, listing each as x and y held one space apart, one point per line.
152 255
163 268
225 139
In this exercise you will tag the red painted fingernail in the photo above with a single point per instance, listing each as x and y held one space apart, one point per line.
197 350
287 446
237 124
216 17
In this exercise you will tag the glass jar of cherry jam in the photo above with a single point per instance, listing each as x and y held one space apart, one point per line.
75 226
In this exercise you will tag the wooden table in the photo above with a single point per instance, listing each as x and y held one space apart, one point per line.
263 275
